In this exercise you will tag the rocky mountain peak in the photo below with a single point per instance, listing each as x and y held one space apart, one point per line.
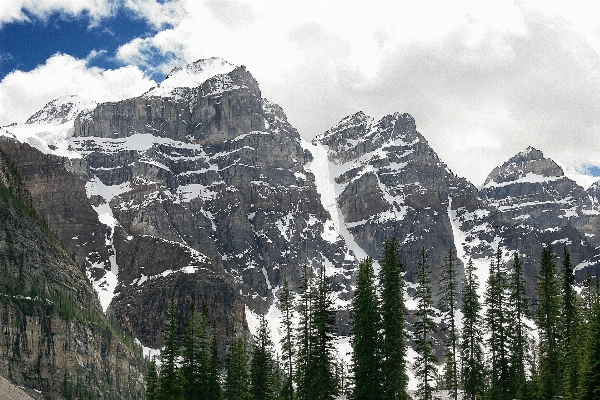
359 134
528 165
192 75
594 192
61 110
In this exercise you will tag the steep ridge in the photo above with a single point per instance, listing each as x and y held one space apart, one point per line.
55 338
203 183
389 182
540 205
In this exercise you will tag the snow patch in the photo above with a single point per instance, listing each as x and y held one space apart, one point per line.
193 75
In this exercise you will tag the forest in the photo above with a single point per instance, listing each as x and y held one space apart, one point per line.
499 347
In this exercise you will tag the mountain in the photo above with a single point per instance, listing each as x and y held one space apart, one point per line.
194 193
201 191
389 182
55 338
539 204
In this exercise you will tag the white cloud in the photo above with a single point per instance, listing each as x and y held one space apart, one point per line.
483 80
24 93
13 10
157 14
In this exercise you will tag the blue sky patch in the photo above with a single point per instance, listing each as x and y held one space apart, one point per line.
24 44
593 170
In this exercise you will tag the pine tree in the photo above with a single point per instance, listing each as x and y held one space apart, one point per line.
315 373
213 375
286 304
393 368
169 381
424 329
496 321
365 329
262 364
589 386
518 311
569 325
447 303
151 381
236 372
547 318
305 325
471 350
322 352
194 356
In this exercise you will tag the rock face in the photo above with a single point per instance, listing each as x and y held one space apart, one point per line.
55 338
62 110
200 190
540 205
389 182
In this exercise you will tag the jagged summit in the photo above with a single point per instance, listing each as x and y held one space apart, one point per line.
359 134
594 192
527 166
61 110
192 75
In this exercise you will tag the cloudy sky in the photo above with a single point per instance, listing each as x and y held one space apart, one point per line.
483 80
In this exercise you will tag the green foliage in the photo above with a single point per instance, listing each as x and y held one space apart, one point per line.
570 324
471 350
548 320
315 363
589 386
518 310
286 304
236 372
151 381
448 292
366 323
425 364
170 385
262 365
393 351
198 367
496 318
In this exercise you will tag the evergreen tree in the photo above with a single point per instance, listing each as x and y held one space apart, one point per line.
169 381
425 364
286 304
194 356
496 322
365 329
547 318
322 352
315 362
471 350
569 321
393 367
589 386
213 375
305 325
518 311
262 364
236 372
448 292
152 381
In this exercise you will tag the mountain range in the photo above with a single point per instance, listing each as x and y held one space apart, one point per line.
201 191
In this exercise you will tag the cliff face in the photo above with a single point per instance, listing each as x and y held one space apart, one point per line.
55 338
532 196
389 182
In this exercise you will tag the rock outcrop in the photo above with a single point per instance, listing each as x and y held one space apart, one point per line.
55 338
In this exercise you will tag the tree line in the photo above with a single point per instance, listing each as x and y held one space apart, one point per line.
491 351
